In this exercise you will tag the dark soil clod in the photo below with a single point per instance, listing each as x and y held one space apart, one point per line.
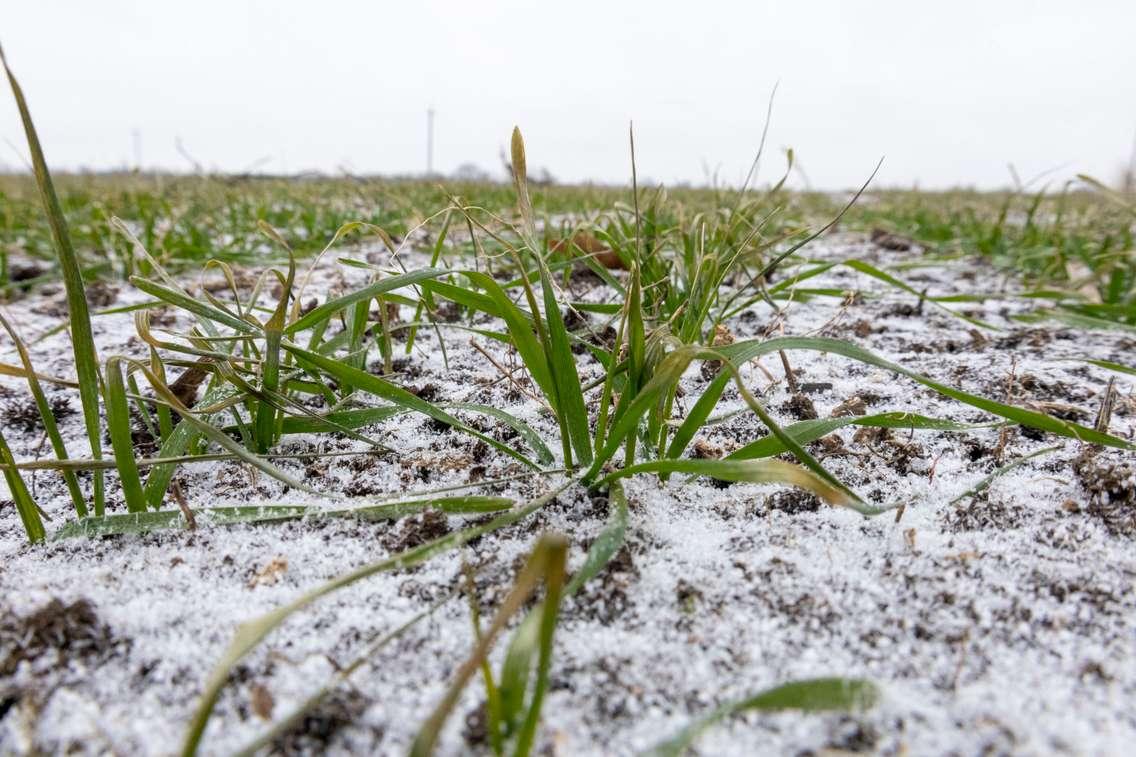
800 407
67 631
793 502
417 530
318 728
1111 486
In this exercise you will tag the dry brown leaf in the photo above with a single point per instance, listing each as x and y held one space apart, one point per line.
589 245
270 573
261 701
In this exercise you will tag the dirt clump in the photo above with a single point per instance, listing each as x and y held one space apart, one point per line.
687 595
417 530
318 728
25 271
800 407
982 513
24 413
605 597
890 241
53 636
100 294
849 407
475 731
704 450
894 451
1111 486
793 502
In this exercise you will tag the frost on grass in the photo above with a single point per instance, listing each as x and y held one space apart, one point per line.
1000 623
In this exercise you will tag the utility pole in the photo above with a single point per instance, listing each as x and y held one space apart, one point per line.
430 141
136 137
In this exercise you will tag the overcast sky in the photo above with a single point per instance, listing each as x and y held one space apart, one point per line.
949 92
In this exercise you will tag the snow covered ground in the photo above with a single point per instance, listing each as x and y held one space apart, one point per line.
1003 623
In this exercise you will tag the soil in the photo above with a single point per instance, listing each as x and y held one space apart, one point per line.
1001 623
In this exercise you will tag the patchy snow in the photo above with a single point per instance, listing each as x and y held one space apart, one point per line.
1002 624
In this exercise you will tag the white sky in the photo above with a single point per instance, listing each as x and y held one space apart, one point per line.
950 92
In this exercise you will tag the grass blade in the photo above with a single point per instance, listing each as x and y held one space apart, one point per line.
742 351
804 432
547 565
29 513
118 422
329 308
146 522
48 419
813 695
751 471
82 339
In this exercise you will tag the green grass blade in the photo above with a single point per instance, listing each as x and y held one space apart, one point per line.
265 423
118 422
25 505
751 471
526 432
183 301
606 544
523 337
698 414
48 419
1111 366
876 273
742 351
353 419
82 339
804 432
1001 471
562 365
813 695
149 521
329 308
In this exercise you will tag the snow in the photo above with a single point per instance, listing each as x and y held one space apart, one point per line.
1003 624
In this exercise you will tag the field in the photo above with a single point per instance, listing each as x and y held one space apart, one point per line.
375 466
